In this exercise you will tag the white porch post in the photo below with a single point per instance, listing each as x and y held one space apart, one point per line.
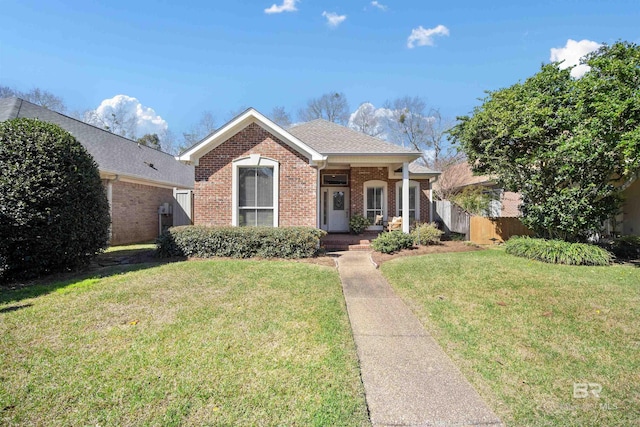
405 197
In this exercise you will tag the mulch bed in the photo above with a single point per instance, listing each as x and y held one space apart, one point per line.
443 247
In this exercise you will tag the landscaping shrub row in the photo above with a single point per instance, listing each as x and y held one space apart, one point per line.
394 241
240 242
558 251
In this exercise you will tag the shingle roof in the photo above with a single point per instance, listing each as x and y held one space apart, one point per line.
112 153
331 138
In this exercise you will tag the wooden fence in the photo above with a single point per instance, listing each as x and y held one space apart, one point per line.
487 231
453 218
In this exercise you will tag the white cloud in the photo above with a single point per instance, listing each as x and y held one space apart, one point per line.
126 116
286 6
333 19
424 37
380 6
571 54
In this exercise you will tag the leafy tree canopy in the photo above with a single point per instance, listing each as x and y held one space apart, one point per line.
564 144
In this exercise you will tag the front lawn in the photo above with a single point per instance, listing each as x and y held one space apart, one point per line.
544 344
188 343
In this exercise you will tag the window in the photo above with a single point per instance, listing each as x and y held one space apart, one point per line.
255 196
414 200
335 180
375 201
255 192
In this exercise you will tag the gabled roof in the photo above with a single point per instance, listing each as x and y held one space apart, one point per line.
238 123
114 154
331 138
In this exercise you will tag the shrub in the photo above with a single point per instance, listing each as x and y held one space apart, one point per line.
625 247
558 251
392 241
54 212
427 234
358 223
239 242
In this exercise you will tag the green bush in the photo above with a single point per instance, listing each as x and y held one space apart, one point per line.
239 242
427 234
558 251
625 247
392 241
358 223
54 212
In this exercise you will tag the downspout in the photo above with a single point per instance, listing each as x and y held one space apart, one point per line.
110 201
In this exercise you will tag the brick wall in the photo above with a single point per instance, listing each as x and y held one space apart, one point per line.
359 175
213 186
134 212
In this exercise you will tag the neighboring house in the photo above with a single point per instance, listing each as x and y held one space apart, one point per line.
253 172
138 179
458 176
630 216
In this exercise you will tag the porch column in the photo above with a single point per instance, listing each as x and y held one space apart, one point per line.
405 197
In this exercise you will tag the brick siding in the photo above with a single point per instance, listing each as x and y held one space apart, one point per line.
134 212
213 186
359 175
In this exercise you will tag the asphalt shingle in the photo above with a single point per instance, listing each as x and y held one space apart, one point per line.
331 138
112 153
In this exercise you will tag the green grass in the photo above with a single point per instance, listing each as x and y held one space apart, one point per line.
525 332
188 343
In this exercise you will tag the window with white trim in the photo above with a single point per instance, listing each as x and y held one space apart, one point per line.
414 199
255 192
375 201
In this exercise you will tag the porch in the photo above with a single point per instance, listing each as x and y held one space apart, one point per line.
348 242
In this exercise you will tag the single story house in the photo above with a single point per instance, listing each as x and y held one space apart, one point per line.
251 171
140 181
629 218
459 176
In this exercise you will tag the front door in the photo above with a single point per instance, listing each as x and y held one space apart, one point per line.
336 207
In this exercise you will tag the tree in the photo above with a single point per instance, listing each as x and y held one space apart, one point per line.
330 106
121 121
203 127
564 144
410 124
37 96
365 120
280 116
54 212
150 140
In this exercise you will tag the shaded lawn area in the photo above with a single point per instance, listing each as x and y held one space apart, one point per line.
525 332
189 343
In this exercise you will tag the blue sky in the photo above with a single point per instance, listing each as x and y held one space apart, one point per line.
181 58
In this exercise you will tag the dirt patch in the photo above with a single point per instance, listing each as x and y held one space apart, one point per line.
443 247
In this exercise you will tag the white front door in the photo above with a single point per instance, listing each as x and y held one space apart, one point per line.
336 208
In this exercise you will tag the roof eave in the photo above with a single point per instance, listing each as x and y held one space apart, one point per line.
193 154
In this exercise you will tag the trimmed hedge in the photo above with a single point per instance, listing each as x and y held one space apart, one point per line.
558 251
239 242
54 213
392 241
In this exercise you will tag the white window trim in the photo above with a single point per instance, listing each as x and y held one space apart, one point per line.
375 183
254 160
413 185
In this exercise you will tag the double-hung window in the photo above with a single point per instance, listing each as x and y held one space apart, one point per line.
255 187
255 196
414 205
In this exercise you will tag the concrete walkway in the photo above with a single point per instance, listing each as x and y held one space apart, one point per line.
408 379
